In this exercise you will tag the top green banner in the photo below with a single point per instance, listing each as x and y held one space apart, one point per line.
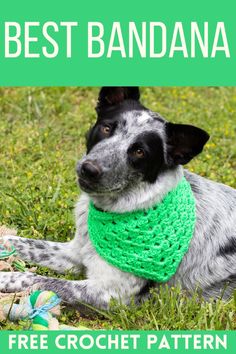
94 43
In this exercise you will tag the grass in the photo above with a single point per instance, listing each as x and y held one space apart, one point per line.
42 136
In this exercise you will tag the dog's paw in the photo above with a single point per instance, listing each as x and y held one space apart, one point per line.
8 241
20 244
11 282
10 238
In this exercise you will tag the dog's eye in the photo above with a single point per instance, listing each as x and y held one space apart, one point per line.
139 153
106 129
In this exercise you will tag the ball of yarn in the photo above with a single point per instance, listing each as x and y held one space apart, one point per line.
41 307
44 306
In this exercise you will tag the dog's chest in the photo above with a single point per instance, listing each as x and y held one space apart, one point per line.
95 266
81 219
83 247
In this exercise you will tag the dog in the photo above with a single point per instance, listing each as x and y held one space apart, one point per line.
134 158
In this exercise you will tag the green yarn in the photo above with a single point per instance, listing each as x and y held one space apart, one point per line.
41 307
34 297
148 243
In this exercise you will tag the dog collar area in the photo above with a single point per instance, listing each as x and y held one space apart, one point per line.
147 243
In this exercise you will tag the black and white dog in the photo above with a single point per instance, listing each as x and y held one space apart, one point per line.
134 158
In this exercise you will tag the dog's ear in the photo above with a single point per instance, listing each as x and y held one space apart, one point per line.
183 143
111 96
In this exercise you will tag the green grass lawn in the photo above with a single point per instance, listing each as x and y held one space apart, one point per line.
42 136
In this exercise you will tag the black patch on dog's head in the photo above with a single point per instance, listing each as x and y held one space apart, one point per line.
95 134
152 162
113 102
109 97
183 143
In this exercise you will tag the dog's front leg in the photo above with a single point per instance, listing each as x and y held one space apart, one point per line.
91 291
57 256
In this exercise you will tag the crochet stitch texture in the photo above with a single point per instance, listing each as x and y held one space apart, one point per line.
148 243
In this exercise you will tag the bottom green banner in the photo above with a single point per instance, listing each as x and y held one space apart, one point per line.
117 341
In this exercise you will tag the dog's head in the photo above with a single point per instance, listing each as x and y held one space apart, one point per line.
131 145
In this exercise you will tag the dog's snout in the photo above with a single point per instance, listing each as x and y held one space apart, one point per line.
90 169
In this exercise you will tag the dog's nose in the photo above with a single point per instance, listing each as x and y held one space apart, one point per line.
90 169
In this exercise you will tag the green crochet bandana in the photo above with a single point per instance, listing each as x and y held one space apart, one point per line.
148 243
